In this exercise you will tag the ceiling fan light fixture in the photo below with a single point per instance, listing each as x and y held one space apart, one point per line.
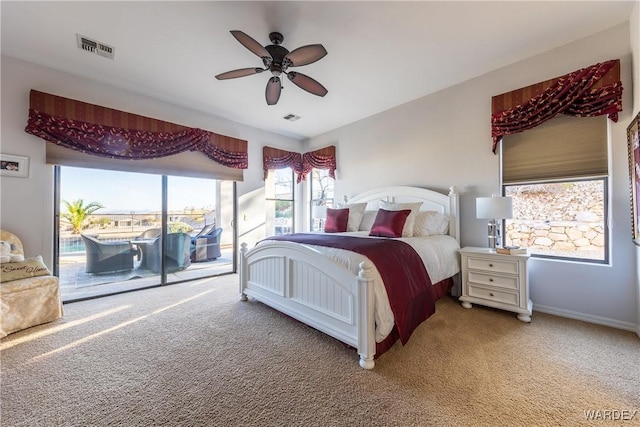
277 59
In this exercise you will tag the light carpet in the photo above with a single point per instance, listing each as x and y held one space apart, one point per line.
193 354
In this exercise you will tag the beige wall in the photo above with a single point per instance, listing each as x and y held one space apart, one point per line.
444 139
27 204
635 48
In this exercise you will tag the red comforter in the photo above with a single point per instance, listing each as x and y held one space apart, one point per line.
411 295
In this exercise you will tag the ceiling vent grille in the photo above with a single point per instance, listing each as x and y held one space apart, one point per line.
291 117
93 46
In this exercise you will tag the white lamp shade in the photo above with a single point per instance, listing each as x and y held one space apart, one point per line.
319 212
494 207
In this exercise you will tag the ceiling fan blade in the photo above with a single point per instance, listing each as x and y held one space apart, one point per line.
251 44
239 73
306 55
307 83
274 87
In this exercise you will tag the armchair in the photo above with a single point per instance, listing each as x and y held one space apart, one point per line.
108 257
177 257
206 247
29 301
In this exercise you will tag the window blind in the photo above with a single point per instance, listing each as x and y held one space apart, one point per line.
561 148
191 164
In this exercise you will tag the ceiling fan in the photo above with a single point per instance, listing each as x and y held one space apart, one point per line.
277 59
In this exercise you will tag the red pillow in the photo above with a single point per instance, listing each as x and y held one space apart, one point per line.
336 220
389 223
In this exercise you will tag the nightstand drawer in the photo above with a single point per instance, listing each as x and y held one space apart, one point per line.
508 282
499 266
493 295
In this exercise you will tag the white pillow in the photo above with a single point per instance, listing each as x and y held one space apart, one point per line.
355 214
407 231
368 218
430 223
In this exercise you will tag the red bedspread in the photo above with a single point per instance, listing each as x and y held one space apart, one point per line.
411 295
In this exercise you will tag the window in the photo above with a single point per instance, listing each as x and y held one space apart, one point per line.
560 219
557 176
125 208
321 190
279 202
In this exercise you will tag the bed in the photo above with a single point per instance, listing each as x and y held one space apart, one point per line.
341 292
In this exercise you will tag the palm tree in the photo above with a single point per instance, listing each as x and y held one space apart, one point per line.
77 213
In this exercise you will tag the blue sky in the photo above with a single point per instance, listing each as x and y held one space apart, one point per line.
125 191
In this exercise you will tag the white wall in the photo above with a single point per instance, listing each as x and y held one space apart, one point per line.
27 204
444 139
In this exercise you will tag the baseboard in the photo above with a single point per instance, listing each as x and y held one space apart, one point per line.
598 320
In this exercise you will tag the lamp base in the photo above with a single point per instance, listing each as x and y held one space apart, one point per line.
493 234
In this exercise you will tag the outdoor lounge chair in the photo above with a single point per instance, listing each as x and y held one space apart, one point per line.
206 247
177 253
108 257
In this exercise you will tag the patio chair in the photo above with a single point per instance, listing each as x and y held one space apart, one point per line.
150 233
108 257
205 230
177 253
206 247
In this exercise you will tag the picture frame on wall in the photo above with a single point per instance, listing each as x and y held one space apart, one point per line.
633 141
17 166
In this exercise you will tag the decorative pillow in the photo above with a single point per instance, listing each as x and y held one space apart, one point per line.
368 218
389 223
407 231
336 221
430 223
30 267
355 214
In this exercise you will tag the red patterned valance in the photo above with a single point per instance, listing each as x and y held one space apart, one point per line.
324 158
588 92
106 132
275 158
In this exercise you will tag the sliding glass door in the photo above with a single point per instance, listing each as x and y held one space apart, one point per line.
119 231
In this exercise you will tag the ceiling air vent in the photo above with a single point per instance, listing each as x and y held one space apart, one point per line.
291 117
89 45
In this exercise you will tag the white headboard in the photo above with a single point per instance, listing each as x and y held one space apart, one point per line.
431 201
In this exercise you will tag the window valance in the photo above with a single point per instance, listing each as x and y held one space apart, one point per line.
301 164
324 158
115 134
275 158
588 92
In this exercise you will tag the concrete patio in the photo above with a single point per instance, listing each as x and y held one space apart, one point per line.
75 283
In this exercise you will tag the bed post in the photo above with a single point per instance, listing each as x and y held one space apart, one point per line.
366 319
454 213
243 270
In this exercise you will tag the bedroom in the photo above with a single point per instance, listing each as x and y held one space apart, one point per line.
439 140
460 113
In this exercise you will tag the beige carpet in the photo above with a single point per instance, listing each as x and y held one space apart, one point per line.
194 355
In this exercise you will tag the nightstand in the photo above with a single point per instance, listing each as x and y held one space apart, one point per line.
496 280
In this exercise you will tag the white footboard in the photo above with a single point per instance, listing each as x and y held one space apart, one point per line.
302 283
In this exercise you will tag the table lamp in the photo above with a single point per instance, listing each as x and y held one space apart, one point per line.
494 208
319 213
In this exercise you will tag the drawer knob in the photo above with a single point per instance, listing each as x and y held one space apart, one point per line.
490 293
490 265
491 279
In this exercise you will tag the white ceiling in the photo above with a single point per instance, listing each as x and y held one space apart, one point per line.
380 54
